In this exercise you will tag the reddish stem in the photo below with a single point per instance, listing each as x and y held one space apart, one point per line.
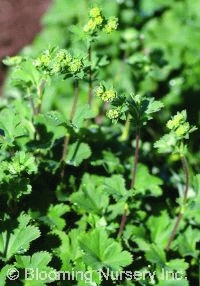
185 195
123 222
136 156
40 95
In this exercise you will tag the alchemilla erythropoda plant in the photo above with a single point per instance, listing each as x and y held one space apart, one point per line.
100 178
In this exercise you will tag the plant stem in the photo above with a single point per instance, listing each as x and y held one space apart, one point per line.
31 102
90 75
71 117
135 161
40 95
123 222
136 156
126 130
186 170
76 94
180 215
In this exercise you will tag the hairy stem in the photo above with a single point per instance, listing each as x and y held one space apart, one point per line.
136 156
71 117
180 215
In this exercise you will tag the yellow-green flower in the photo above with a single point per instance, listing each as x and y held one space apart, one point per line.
90 26
66 61
60 55
112 113
99 91
170 124
179 118
75 65
182 129
111 25
108 95
55 68
95 12
45 59
98 20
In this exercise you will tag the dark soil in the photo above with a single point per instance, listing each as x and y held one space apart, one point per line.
19 23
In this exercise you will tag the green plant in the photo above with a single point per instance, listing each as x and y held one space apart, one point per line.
173 142
88 195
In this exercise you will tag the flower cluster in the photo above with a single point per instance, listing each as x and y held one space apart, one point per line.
179 125
111 25
177 119
180 129
95 12
98 22
113 113
105 95
75 65
95 21
57 62
43 61
108 95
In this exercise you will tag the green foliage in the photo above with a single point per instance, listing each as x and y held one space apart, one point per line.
91 196
77 153
101 251
115 186
12 128
160 234
18 240
153 187
53 217
82 113
110 162
39 260
80 194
